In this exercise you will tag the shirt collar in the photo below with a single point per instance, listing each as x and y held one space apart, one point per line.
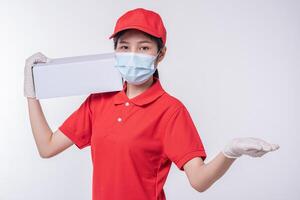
148 96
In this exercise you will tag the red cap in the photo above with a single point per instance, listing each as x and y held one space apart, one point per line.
143 20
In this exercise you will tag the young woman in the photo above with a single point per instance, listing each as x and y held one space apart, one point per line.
136 133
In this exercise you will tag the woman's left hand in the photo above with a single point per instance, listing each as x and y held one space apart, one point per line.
253 147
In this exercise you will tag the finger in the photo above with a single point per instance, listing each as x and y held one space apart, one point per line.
268 146
265 146
275 147
256 153
260 154
37 55
253 152
252 146
40 60
40 56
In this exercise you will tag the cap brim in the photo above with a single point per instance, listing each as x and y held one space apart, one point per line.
135 27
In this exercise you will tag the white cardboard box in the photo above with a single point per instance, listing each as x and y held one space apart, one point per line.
78 75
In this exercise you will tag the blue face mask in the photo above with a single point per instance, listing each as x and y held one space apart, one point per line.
135 68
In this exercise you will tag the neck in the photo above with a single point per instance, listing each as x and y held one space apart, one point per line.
135 90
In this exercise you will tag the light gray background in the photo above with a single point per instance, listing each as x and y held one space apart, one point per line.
234 64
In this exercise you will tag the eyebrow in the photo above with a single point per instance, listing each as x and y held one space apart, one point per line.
123 41
143 41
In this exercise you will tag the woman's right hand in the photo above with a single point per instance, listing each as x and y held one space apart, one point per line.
28 76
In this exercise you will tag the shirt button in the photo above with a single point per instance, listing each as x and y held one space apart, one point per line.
119 119
127 104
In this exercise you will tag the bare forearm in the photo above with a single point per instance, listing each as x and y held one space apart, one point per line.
212 171
40 128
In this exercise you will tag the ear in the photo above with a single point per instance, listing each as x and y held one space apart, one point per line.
161 54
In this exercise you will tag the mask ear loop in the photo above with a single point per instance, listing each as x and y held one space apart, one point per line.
157 55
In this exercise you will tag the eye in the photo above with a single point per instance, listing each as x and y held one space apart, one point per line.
123 47
145 48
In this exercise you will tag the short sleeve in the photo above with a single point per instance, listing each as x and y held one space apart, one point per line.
78 126
181 140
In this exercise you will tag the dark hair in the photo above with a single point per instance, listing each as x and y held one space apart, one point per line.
158 41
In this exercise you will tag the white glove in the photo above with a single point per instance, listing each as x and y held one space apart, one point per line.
253 147
28 76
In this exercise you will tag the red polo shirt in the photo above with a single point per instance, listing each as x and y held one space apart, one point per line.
133 141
